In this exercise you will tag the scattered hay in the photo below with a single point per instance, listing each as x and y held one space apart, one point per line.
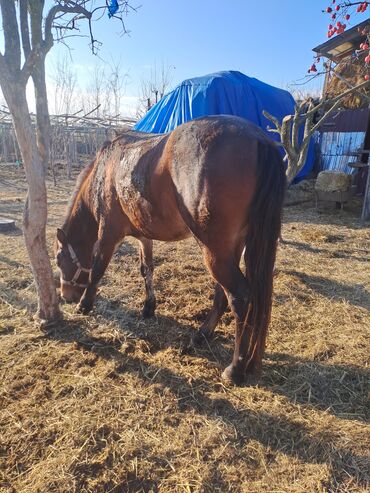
114 403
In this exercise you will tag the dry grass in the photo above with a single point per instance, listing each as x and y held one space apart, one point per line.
352 71
112 403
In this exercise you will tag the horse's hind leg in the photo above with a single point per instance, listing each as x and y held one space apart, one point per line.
146 269
219 306
225 269
218 309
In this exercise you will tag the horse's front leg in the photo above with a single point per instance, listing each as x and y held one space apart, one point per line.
146 269
104 250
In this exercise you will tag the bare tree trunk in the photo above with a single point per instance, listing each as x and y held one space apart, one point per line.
35 212
27 37
42 113
38 75
288 129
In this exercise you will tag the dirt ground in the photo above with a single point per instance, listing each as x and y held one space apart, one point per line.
114 403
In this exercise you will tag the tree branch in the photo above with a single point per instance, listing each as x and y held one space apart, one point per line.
12 52
40 49
325 116
348 84
282 129
289 127
36 15
25 32
73 9
326 102
273 119
2 64
286 130
297 120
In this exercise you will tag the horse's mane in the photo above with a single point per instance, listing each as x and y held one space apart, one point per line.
80 181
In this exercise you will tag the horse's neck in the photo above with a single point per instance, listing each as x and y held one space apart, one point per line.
81 226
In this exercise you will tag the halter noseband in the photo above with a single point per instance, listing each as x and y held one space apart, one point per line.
80 269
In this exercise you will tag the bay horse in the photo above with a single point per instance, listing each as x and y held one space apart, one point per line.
218 178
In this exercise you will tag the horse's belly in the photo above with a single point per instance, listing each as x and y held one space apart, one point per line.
165 231
153 222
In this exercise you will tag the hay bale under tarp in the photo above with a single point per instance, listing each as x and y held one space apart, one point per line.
349 70
333 181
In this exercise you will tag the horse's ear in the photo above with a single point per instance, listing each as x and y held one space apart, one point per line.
62 237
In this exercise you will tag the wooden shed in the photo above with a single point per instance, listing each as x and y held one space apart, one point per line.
345 136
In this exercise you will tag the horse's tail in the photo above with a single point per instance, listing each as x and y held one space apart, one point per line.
264 225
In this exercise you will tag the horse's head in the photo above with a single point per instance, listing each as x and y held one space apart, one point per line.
73 276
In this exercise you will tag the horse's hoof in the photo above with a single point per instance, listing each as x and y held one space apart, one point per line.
148 309
83 309
230 376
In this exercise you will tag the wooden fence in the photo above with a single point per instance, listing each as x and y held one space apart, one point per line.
73 137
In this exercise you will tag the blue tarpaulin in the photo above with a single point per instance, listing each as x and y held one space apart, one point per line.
112 8
227 93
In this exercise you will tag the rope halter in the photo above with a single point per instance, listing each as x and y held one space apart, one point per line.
79 270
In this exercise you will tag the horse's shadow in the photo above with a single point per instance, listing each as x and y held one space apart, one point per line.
126 249
10 262
161 332
337 389
340 253
340 390
275 430
355 294
10 296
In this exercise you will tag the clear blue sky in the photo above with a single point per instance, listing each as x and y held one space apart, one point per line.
269 39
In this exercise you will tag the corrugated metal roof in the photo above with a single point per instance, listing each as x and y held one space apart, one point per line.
352 37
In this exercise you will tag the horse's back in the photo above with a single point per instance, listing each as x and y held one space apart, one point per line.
214 166
216 147
200 177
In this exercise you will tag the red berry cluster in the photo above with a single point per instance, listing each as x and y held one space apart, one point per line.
365 47
337 29
313 67
343 10
362 7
